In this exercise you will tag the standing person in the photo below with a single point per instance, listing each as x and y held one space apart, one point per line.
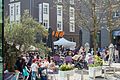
34 70
19 64
25 71
116 54
30 60
52 66
106 55
118 46
38 58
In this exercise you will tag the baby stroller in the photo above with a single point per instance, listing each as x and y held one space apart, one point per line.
43 74
81 63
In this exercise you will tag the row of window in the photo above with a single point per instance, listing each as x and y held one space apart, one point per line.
59 10
60 1
59 25
59 16
71 1
14 11
16 8
13 0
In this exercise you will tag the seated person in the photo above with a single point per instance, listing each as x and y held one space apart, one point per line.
52 66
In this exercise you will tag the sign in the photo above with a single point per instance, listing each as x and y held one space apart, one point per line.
57 34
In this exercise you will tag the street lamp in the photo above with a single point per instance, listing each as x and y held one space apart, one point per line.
111 51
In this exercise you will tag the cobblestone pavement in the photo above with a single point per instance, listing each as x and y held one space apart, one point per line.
77 75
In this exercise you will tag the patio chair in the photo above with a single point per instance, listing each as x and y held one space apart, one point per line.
8 75
68 59
52 74
16 76
57 59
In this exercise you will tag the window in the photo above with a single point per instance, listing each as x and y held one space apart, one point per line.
45 9
116 14
17 10
11 0
59 11
40 13
59 25
72 27
60 1
71 12
11 11
45 23
71 1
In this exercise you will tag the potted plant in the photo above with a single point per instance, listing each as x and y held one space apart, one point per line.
66 69
95 69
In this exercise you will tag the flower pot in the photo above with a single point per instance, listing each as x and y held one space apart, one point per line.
95 71
65 73
80 72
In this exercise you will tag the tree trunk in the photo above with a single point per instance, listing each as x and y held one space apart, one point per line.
95 42
110 21
94 27
110 36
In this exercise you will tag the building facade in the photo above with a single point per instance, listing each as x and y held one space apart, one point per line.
54 14
47 13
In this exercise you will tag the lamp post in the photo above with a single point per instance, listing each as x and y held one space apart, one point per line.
80 36
111 51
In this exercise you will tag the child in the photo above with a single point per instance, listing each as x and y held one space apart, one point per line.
25 72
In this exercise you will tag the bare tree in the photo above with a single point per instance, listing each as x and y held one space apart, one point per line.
89 14
112 23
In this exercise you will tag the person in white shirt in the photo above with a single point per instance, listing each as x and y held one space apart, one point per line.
116 55
34 70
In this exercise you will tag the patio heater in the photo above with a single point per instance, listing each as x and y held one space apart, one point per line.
111 51
87 47
49 40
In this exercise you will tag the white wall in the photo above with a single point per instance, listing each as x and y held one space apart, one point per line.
40 13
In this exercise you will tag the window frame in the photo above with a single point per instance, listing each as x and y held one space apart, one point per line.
17 10
45 9
72 27
59 11
116 14
72 2
11 11
59 25
45 23
71 12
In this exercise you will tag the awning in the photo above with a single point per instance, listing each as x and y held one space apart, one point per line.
116 33
65 43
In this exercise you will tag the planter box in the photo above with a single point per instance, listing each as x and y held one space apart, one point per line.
65 73
95 71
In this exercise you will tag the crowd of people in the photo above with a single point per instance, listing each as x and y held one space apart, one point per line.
32 66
